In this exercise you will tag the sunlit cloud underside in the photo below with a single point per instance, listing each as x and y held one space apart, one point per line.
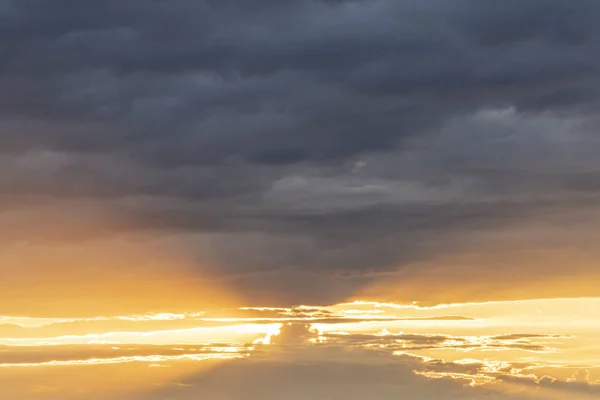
537 343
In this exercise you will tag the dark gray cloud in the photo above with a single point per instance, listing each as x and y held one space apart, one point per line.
288 145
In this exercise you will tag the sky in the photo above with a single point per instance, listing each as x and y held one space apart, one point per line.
301 199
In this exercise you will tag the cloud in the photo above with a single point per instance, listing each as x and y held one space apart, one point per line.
299 362
319 373
403 342
300 150
98 354
323 371
574 386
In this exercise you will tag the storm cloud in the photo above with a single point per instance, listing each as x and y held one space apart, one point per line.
300 151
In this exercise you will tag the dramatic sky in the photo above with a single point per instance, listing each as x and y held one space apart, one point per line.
299 199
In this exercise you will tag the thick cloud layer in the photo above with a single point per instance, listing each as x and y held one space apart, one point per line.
300 150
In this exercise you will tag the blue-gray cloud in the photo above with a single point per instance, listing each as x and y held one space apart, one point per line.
308 140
